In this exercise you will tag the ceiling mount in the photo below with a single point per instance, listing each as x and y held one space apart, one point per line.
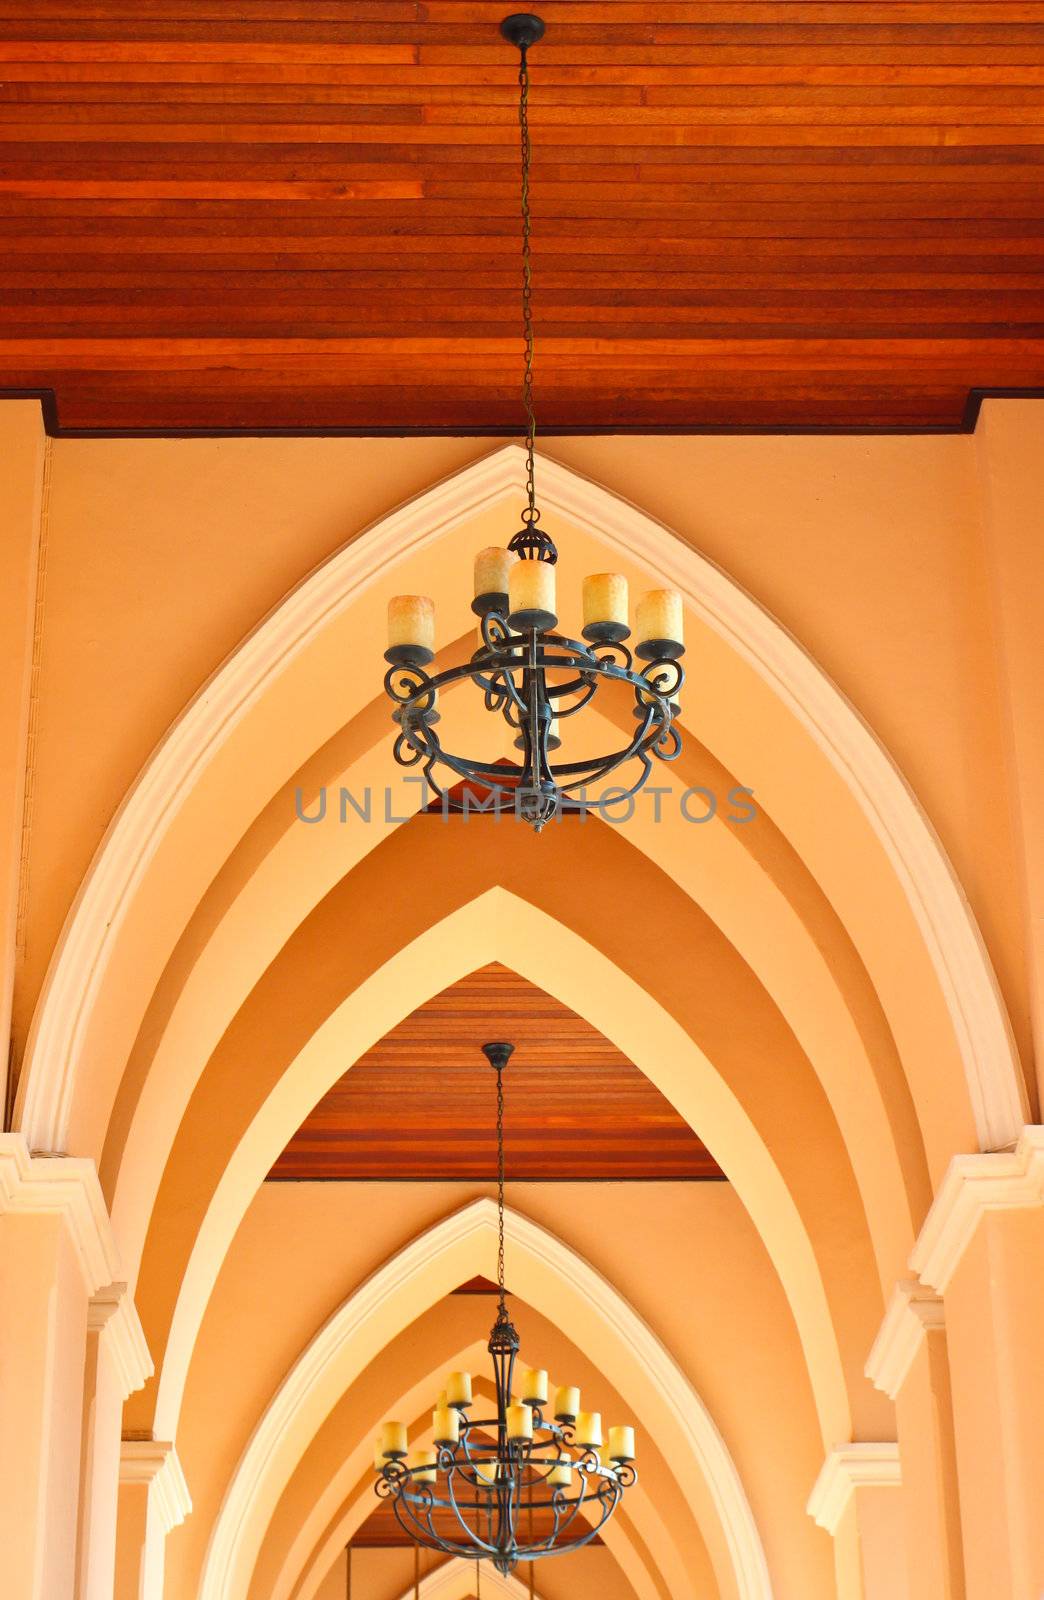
498 1054
523 29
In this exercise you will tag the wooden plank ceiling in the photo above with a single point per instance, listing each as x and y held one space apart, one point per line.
422 1103
255 214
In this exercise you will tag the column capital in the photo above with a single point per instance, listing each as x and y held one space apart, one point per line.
849 1467
35 1185
154 1462
999 1180
112 1311
913 1311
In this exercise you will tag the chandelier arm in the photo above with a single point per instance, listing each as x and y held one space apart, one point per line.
586 688
469 1532
411 1525
595 774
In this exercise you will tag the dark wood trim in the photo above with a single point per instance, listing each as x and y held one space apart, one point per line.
483 1177
53 427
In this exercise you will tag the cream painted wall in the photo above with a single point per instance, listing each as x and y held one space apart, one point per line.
164 553
23 460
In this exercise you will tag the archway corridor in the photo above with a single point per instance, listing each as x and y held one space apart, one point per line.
773 1157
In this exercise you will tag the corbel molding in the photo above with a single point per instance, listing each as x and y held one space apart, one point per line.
154 1462
1001 1180
112 1311
913 1312
847 1468
35 1185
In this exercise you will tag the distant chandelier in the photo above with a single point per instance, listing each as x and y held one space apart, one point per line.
513 1487
534 676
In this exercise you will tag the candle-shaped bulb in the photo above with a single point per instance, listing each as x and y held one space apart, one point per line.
605 599
519 1422
411 624
445 1422
561 1475
621 1444
423 1464
458 1388
486 1471
589 1428
531 595
567 1404
492 569
659 622
534 1386
393 1439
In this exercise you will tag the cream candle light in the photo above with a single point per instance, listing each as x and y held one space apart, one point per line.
531 595
445 1423
424 1465
567 1403
605 600
659 624
393 1439
519 1421
534 1386
486 1471
458 1388
589 1428
561 1475
492 570
411 626
621 1444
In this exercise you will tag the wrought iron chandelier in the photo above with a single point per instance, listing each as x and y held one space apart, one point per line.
518 1486
532 675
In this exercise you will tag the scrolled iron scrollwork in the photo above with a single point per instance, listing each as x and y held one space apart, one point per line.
480 1518
537 679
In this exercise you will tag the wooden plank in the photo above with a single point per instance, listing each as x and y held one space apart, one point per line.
739 206
576 1108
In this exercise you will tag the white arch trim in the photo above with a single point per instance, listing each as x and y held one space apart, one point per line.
473 1227
499 926
77 973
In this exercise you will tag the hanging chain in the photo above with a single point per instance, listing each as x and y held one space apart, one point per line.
531 515
500 1192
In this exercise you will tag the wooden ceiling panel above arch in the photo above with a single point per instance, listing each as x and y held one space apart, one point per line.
421 1104
749 214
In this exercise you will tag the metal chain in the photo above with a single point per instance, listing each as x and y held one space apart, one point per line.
531 515
500 1190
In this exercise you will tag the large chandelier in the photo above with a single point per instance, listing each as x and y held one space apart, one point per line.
531 1481
532 675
